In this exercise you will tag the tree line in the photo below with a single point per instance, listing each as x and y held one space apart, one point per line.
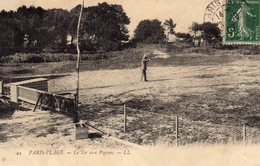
103 28
34 29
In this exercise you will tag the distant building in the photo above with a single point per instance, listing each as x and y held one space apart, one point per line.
198 40
171 38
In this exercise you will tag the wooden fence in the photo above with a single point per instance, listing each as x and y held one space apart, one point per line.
35 84
33 92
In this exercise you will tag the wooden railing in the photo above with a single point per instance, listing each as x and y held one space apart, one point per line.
47 100
29 95
26 91
36 84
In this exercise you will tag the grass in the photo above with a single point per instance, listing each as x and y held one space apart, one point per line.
203 118
126 59
111 60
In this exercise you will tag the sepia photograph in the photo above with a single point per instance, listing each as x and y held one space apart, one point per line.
127 82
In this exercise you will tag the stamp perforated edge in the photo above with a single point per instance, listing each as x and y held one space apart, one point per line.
224 32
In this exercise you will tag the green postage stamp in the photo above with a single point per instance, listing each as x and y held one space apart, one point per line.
242 22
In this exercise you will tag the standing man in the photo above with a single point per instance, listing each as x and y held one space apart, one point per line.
144 62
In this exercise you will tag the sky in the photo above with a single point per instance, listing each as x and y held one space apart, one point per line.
183 12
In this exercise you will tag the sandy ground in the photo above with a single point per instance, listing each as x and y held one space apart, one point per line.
27 129
43 128
166 83
200 85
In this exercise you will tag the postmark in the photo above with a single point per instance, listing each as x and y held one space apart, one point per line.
214 12
242 22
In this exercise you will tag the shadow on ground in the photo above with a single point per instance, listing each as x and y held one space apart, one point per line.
6 110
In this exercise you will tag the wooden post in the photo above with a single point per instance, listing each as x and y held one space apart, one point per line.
78 63
14 92
244 135
40 102
1 87
76 118
53 99
36 104
125 118
176 129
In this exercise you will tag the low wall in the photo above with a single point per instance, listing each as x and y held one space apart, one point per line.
10 79
30 91
37 84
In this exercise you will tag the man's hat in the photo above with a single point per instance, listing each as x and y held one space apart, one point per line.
145 55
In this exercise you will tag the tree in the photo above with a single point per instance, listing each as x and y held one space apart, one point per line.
72 26
103 26
34 29
195 28
149 31
30 25
211 32
169 27
107 26
10 38
56 21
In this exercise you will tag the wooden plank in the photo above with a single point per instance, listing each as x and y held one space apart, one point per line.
107 136
30 81
39 91
26 100
39 98
41 85
28 94
33 96
124 142
96 128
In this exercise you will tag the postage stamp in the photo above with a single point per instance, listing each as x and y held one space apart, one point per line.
242 22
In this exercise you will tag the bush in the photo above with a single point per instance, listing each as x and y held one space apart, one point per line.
38 58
